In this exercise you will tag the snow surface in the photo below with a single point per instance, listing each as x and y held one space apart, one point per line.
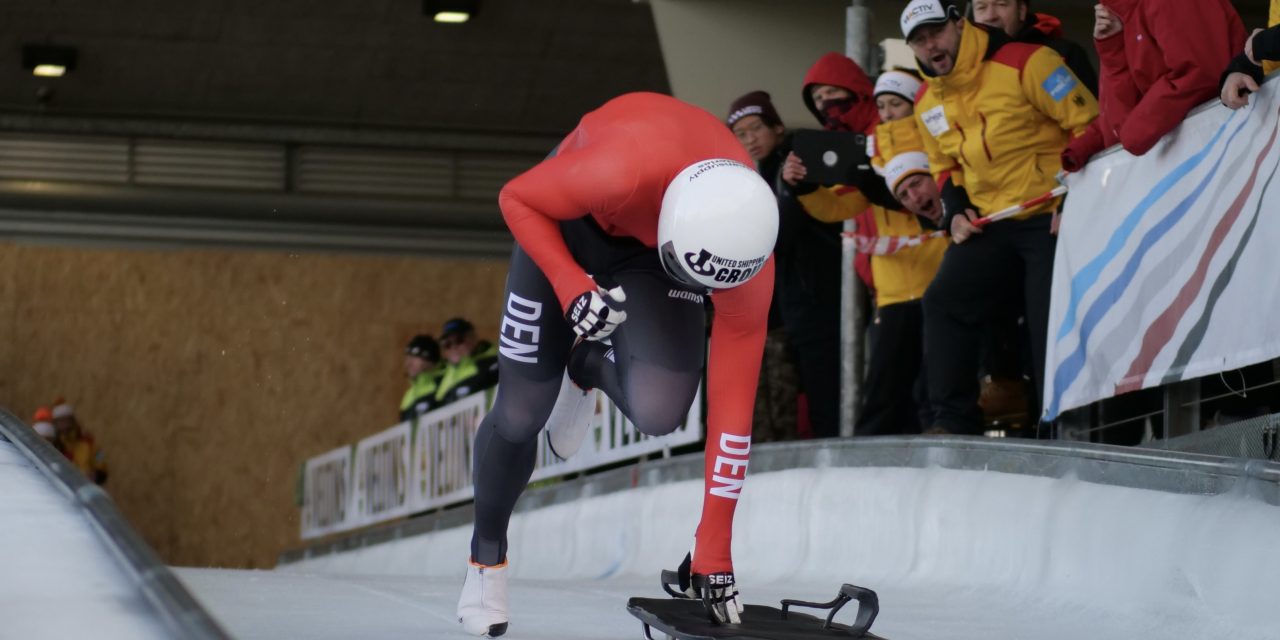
961 555
57 578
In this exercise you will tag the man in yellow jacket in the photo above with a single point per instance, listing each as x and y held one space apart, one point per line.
994 117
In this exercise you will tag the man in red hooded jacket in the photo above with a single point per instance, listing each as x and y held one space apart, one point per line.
839 94
1160 58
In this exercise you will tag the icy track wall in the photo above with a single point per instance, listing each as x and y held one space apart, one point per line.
1211 559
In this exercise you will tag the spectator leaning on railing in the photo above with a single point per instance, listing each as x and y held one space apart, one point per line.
1022 24
424 369
471 363
1247 70
994 117
894 398
807 261
1160 58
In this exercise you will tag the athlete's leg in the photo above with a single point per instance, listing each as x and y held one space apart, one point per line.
533 342
654 365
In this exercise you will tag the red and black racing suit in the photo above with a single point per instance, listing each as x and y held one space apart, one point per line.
592 208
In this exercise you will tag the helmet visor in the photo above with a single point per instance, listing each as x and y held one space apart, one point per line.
671 264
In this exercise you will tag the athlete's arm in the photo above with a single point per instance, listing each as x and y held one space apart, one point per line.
733 368
595 177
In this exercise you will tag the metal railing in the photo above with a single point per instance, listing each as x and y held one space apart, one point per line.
426 464
181 613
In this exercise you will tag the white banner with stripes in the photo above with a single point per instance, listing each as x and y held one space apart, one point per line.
1166 263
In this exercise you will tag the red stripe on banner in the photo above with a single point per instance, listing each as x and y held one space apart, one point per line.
1162 329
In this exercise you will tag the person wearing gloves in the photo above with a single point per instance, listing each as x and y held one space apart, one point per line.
1261 56
1160 59
647 208
994 117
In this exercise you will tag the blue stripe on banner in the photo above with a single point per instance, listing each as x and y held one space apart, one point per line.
1088 276
1071 366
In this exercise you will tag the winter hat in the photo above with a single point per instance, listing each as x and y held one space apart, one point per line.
756 103
63 410
903 166
456 327
858 113
922 12
899 83
425 347
45 429
42 422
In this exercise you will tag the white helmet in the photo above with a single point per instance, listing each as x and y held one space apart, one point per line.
718 223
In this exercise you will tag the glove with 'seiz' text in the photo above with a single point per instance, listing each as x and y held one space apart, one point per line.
594 315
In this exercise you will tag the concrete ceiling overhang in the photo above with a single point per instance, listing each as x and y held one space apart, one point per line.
517 66
717 50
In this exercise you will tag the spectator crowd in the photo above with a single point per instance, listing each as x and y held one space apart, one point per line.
997 108
440 372
999 105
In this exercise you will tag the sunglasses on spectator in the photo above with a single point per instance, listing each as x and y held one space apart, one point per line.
446 343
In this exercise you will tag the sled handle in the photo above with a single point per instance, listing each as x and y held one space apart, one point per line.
868 607
647 634
669 578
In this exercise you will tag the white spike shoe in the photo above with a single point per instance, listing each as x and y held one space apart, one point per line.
482 607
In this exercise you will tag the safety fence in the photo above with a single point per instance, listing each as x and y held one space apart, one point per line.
425 464
1256 438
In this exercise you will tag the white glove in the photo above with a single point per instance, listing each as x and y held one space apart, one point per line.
717 591
595 314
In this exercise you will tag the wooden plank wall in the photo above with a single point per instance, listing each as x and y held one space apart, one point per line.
208 376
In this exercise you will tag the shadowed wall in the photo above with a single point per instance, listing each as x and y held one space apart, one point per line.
208 376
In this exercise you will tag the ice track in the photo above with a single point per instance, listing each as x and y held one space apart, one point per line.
956 553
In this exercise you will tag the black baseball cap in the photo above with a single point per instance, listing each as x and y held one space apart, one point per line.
456 327
425 347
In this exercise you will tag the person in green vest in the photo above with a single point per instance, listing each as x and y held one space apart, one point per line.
470 364
424 369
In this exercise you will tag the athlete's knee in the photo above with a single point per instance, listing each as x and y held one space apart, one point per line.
520 421
657 419
658 408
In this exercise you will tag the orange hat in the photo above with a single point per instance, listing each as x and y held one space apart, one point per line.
43 414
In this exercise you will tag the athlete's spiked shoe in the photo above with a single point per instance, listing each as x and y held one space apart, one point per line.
482 607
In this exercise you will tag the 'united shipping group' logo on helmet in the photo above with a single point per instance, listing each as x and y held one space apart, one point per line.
707 264
708 165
